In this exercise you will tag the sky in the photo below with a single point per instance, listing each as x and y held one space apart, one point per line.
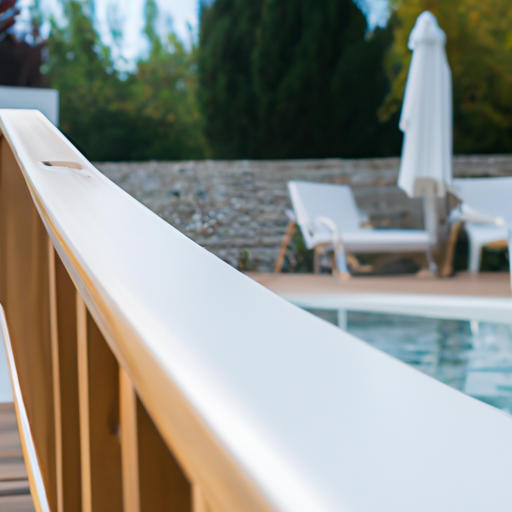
183 13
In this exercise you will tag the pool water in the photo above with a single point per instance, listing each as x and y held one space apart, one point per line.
473 357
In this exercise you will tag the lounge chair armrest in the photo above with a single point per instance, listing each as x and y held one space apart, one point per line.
465 213
339 250
330 225
455 215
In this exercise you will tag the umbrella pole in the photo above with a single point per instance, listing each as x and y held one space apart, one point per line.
430 220
430 217
510 254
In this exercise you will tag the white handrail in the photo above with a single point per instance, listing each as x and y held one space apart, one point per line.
266 407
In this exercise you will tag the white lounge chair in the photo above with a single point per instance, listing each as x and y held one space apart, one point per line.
328 216
485 211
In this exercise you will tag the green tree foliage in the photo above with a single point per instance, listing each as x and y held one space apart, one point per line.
319 79
150 113
227 95
293 79
479 48
164 97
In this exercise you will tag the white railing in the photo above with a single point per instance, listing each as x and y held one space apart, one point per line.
156 377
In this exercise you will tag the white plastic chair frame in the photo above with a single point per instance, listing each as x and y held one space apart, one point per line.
486 219
336 206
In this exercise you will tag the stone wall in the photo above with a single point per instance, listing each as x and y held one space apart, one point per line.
236 206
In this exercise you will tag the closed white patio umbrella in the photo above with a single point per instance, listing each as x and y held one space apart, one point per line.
426 120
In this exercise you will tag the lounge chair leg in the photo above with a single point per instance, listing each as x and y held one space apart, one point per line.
447 269
354 264
431 263
319 250
432 266
335 266
288 235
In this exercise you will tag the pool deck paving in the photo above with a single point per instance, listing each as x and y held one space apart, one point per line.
464 284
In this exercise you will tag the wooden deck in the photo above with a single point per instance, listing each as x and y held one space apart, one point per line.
14 487
464 284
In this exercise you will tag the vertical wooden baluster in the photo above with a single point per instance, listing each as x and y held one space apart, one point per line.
199 500
163 485
129 444
83 399
65 384
99 418
56 377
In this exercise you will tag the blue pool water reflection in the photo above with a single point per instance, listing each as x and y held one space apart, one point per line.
473 357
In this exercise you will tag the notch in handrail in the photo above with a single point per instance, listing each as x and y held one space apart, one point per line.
69 165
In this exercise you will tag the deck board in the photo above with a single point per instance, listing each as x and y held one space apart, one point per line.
464 284
14 486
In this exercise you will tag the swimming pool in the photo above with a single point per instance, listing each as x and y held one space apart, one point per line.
469 353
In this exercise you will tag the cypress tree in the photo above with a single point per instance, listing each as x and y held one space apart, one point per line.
227 96
294 79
